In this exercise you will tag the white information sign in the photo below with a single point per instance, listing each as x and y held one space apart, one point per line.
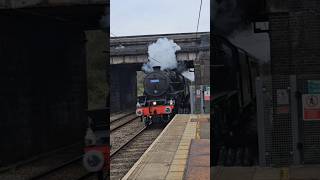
311 106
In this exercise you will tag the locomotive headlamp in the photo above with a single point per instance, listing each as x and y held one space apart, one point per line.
154 103
168 110
171 102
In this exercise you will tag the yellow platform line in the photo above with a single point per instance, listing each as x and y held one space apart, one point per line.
178 164
198 131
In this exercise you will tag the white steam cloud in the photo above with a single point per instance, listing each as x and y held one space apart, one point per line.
163 53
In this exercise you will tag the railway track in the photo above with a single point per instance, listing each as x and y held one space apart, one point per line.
132 135
38 166
48 168
126 130
122 131
124 157
74 169
119 122
120 116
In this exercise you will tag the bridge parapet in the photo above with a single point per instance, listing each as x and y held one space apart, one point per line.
134 49
143 58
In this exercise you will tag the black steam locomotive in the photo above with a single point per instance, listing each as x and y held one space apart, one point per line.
234 74
166 93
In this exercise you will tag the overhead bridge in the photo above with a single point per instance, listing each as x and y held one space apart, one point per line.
134 49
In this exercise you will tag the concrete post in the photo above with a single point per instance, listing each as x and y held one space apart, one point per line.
260 121
192 98
295 119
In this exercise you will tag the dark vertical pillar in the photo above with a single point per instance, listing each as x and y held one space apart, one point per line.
128 87
123 87
115 88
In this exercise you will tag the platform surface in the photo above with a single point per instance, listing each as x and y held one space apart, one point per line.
181 151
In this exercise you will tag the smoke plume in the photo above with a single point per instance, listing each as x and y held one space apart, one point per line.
163 53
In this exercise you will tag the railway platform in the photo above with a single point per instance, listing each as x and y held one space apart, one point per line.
181 151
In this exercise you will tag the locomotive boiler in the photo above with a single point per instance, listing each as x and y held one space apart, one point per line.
166 93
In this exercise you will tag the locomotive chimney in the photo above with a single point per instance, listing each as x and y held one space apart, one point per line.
156 68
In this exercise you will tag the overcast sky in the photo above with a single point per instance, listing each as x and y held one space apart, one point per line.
141 17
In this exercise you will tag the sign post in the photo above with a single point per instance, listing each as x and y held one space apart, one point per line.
202 99
192 98
207 94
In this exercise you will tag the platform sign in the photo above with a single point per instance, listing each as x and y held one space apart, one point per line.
207 93
282 101
198 93
314 86
311 106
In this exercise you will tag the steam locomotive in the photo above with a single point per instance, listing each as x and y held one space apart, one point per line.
234 126
166 93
